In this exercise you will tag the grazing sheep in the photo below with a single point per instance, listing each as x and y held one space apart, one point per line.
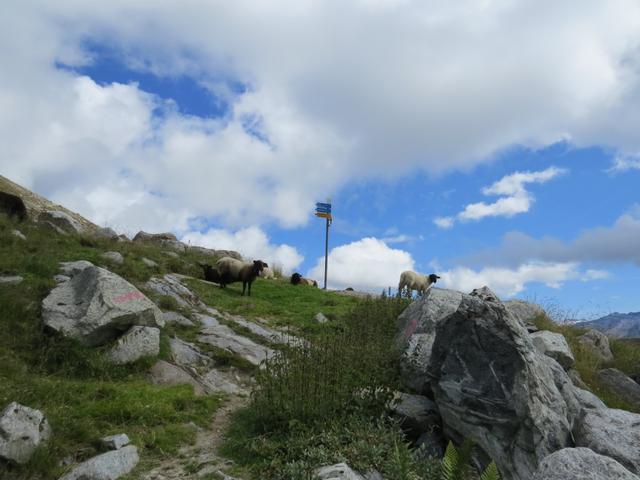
297 279
249 272
13 206
415 281
231 270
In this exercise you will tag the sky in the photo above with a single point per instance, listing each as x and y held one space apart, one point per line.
493 142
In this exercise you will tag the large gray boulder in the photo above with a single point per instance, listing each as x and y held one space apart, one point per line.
417 332
416 413
598 342
581 464
610 432
138 342
622 385
492 386
114 257
108 466
22 430
555 346
154 237
525 312
60 221
96 306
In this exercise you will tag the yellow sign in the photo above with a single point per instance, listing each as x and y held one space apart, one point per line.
324 215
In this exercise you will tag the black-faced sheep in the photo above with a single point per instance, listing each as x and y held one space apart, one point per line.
231 270
297 279
211 274
415 281
13 206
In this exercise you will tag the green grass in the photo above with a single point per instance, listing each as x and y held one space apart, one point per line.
83 397
276 300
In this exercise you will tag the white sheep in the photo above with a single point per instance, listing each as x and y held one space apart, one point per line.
415 281
267 273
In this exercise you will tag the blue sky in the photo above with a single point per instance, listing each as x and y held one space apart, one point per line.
444 148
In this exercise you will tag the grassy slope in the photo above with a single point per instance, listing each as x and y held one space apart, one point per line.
84 398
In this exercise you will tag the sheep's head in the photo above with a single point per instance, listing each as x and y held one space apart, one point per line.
295 278
433 278
259 265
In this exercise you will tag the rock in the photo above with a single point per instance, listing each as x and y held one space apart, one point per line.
216 381
270 335
417 332
96 306
108 466
106 233
19 234
61 278
12 206
165 373
170 285
202 251
575 377
115 257
492 386
149 263
525 312
10 279
115 442
622 385
229 253
61 220
22 430
221 336
339 471
587 399
417 414
320 318
614 433
599 343
73 268
635 378
174 318
186 354
154 237
138 342
581 464
555 346
171 254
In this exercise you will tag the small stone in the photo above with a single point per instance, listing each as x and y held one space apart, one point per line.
108 466
115 257
115 442
320 318
22 430
61 278
19 234
149 263
176 319
11 279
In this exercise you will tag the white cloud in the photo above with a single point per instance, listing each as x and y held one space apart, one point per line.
511 281
515 198
251 242
397 93
367 264
444 222
622 163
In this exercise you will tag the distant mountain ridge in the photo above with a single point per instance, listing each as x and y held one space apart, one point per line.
617 324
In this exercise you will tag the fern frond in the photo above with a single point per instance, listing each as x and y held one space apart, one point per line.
491 472
450 462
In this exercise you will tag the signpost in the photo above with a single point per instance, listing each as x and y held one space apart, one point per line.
323 210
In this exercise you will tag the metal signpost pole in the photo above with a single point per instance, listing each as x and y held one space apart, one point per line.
323 210
326 254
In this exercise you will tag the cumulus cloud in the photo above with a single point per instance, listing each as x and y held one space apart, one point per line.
251 242
318 110
515 198
622 163
617 243
367 264
511 281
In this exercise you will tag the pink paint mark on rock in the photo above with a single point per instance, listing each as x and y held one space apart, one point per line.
125 297
411 328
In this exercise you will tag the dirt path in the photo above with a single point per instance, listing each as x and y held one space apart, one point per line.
200 460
